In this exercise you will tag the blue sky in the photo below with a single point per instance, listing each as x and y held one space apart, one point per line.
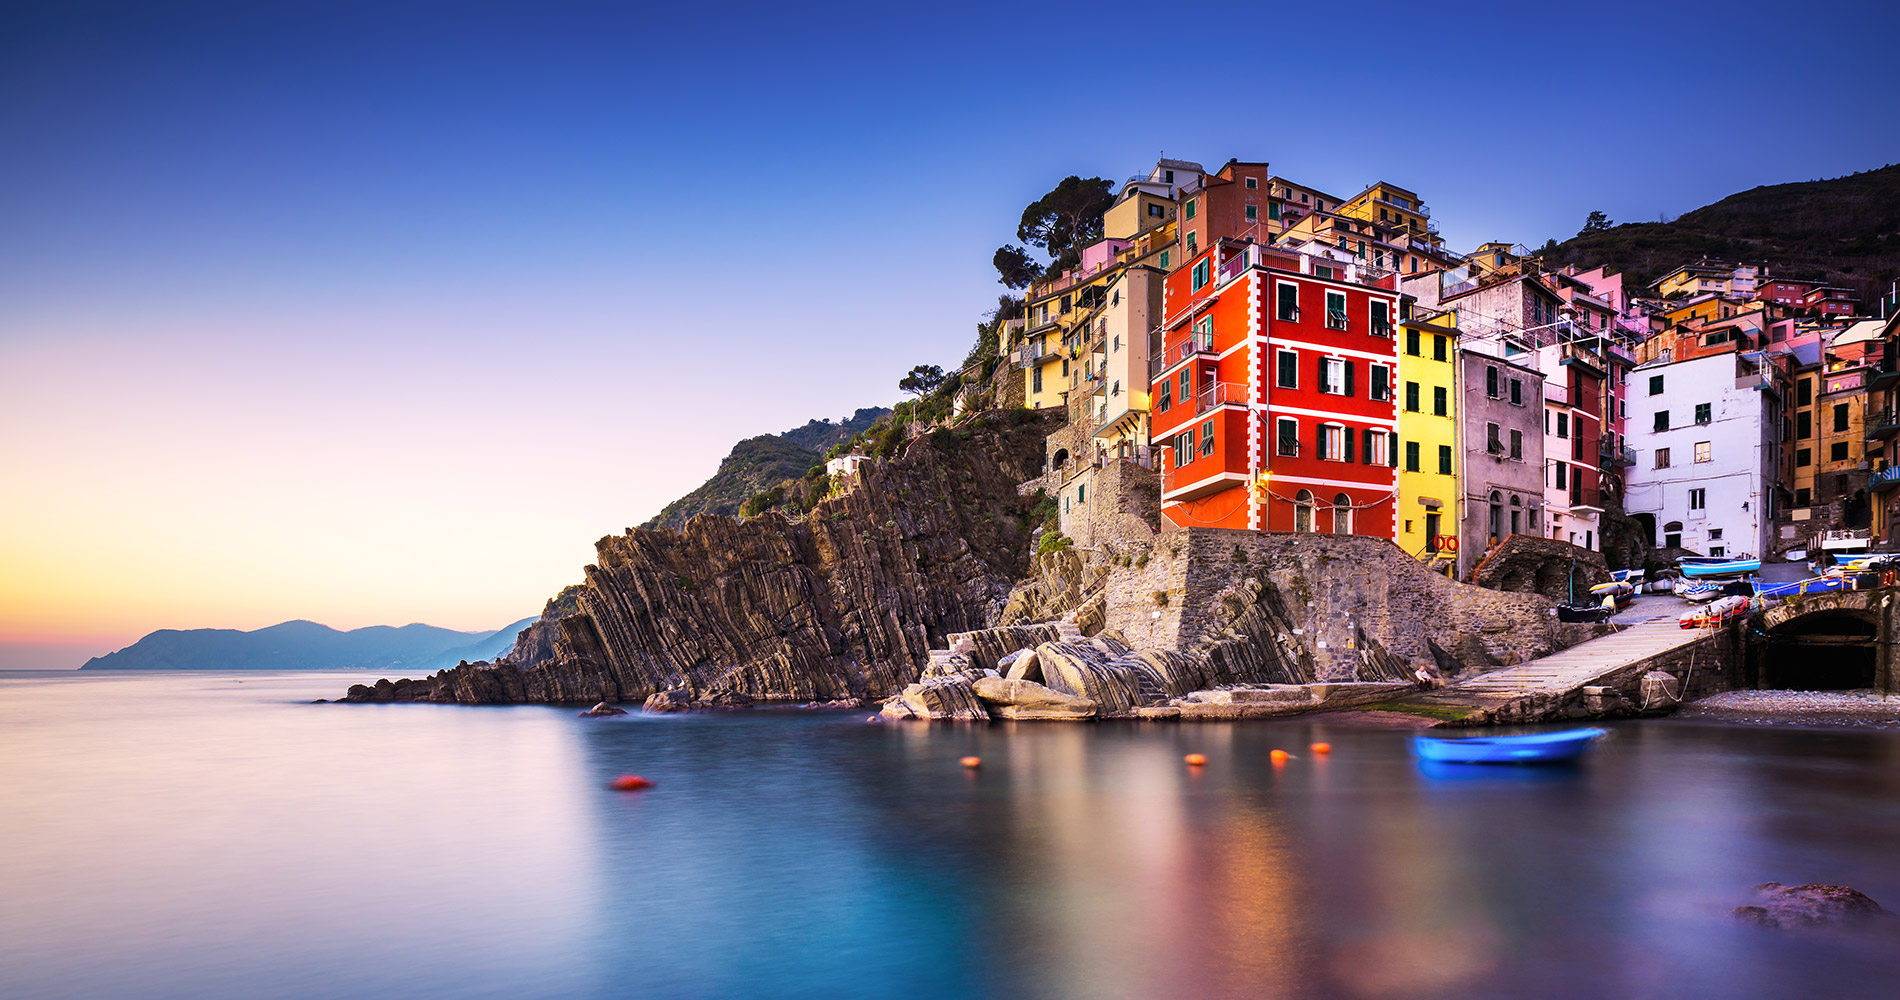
379 271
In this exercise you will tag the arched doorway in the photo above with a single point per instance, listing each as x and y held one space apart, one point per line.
1497 517
1303 511
1061 459
1342 514
1672 535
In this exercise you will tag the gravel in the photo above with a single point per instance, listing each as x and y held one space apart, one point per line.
1826 708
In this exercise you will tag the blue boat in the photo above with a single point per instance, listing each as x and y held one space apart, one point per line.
1541 748
1704 566
1814 585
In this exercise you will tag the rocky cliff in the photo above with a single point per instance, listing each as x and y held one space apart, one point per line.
845 602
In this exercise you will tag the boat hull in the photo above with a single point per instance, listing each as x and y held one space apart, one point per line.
1542 748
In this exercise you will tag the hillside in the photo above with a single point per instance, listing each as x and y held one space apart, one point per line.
1845 231
302 645
760 462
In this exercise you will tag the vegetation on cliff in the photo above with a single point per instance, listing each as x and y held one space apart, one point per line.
758 463
1845 231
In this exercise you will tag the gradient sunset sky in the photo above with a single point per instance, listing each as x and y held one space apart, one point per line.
380 313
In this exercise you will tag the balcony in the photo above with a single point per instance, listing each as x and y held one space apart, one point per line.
1196 343
1886 373
1030 357
1884 479
1882 424
1614 456
1220 394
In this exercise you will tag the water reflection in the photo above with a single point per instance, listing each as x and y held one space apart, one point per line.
226 840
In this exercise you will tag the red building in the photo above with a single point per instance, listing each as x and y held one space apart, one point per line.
1273 398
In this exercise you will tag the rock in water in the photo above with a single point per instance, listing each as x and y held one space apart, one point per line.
951 698
1081 670
672 700
602 709
1018 699
1813 905
1021 666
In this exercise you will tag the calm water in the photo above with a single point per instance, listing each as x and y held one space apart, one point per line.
214 836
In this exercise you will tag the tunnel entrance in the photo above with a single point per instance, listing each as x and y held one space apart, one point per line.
1825 651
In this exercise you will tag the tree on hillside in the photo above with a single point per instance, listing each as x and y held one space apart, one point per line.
1596 223
1067 219
1015 267
1008 307
922 380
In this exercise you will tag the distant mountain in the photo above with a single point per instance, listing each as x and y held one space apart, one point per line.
760 462
1845 231
301 645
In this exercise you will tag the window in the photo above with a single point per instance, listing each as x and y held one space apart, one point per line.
1303 511
1840 417
1187 385
1332 443
1517 445
1381 378
1803 456
1374 448
1702 451
1253 213
1441 401
1207 438
1411 342
1444 460
1517 392
1273 210
1662 420
1191 207
1382 319
1655 385
1563 425
1342 514
1164 259
1703 414
1662 458
1493 444
1289 443
1804 424
1035 379
1805 392
1289 370
1252 183
1200 275
1335 310
1438 345
1287 302
1184 447
1837 452
1672 535
1157 212
1081 494
1411 456
1190 241
1563 475
1698 499
1411 397
1491 381
1802 497
1335 376
1497 514
1715 534
1165 398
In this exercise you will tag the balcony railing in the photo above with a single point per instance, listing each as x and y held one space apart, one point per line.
1196 343
1220 394
1882 424
1884 480
1613 455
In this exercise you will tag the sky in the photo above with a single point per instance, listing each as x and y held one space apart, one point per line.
379 313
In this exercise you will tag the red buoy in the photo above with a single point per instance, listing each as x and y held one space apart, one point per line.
971 762
1195 759
630 783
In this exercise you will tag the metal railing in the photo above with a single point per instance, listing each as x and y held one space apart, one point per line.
1196 343
1884 479
1220 394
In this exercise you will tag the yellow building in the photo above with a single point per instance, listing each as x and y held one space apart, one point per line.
1056 346
1429 456
1703 307
1395 207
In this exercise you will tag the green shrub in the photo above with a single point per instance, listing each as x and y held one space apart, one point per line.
1053 541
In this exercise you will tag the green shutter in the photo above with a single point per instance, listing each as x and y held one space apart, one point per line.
1349 367
1347 437
1366 453
1392 450
1319 441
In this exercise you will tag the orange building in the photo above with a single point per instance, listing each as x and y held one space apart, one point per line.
1273 397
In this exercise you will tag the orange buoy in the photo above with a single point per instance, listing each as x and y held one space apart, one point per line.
1195 759
971 762
1279 756
1322 748
630 783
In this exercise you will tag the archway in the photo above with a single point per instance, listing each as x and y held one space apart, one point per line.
1303 511
1061 459
1342 514
1833 650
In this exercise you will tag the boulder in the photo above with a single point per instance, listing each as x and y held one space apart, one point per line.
601 710
724 698
1017 699
675 700
1022 666
1082 670
952 698
1814 905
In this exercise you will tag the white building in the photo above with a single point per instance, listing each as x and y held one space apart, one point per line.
1707 436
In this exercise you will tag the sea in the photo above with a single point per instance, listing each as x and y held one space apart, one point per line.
211 835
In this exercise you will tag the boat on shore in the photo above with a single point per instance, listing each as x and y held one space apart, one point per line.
1538 748
1719 612
1585 612
1825 584
1705 566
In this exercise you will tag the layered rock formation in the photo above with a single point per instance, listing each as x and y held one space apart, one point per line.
842 604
